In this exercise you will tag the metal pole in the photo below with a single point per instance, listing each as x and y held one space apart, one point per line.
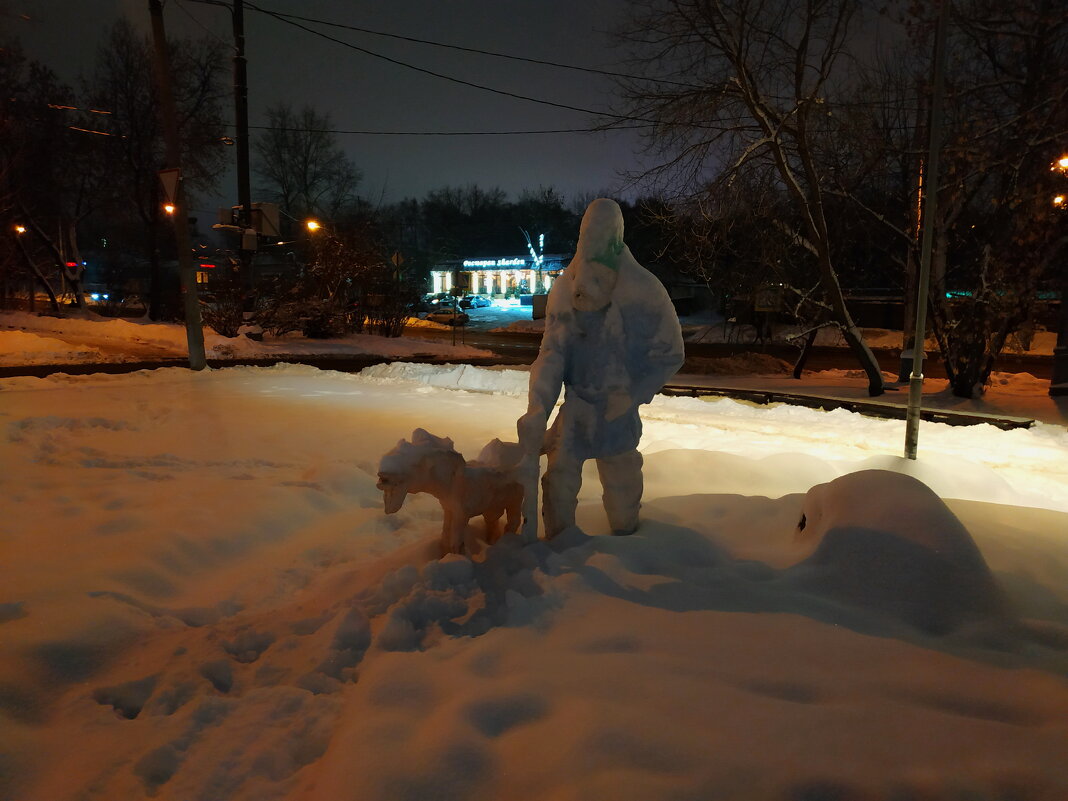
930 207
193 328
1058 385
244 192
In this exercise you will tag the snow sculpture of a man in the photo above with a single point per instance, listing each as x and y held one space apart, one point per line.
611 340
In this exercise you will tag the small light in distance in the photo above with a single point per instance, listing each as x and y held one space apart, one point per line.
20 229
1063 162
169 208
1059 200
313 225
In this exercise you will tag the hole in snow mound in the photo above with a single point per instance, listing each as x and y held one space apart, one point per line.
247 646
157 767
127 699
219 673
495 716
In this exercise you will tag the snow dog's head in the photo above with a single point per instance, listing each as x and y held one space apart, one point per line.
425 463
595 267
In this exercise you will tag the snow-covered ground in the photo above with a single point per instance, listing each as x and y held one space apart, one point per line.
201 598
27 339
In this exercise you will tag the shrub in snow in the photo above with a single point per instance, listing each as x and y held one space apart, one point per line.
223 307
487 486
887 542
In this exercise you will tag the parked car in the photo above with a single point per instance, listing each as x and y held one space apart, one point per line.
475 302
448 315
439 299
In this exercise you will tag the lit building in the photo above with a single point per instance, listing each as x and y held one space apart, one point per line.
498 278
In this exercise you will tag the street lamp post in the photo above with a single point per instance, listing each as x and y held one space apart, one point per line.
246 244
930 205
1058 385
193 327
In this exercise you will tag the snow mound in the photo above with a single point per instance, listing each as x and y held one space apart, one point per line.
887 542
19 347
452 376
422 322
521 327
1012 380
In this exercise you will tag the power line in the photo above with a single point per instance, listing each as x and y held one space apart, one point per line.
494 54
289 19
460 81
202 26
282 16
451 133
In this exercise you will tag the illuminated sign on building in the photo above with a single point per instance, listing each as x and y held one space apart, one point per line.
495 263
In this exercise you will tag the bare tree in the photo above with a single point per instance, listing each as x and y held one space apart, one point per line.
123 85
302 166
1001 235
51 171
746 87
997 233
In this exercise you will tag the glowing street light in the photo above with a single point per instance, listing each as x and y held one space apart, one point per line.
313 225
1059 200
169 208
1063 162
20 229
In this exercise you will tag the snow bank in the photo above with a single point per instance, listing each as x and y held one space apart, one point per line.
18 347
453 376
100 339
521 327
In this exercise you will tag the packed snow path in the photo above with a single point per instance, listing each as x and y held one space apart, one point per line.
201 598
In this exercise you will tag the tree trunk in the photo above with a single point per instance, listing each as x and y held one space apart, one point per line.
832 289
155 273
76 273
806 351
53 301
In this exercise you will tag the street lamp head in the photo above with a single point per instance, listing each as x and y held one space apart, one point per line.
1062 162
169 208
313 225
20 229
1058 200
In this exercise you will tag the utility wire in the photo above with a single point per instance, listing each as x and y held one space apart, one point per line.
460 81
285 17
289 19
509 56
202 26
450 133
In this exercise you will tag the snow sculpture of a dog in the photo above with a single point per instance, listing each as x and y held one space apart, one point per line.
487 486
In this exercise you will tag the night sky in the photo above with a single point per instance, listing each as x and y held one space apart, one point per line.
363 93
